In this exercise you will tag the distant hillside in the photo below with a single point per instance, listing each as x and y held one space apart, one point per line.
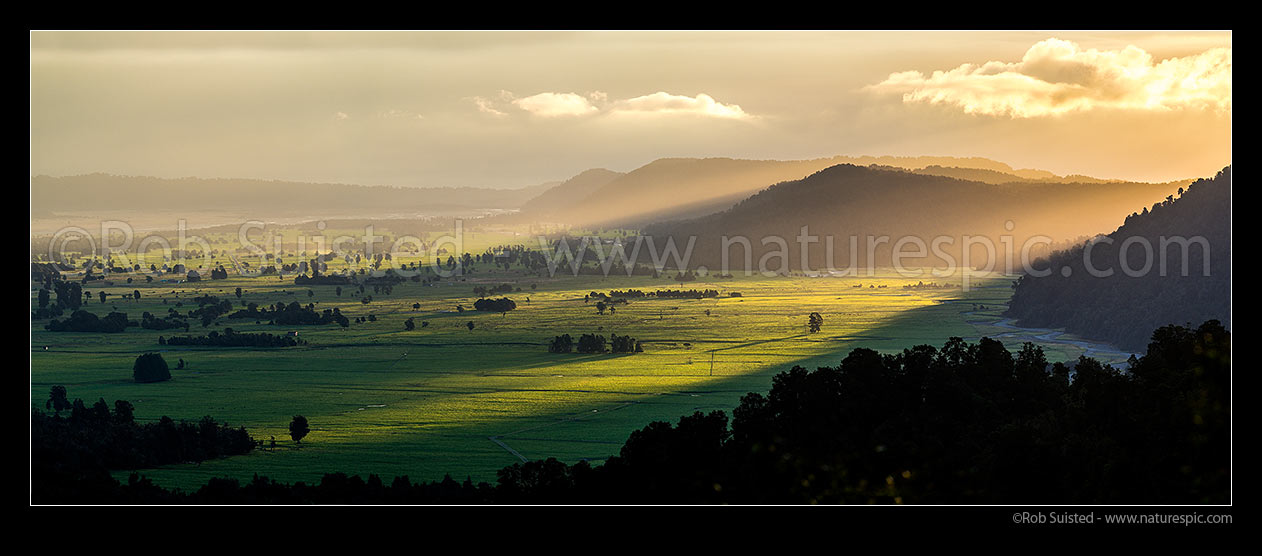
558 199
847 200
1122 309
675 187
681 188
996 177
103 192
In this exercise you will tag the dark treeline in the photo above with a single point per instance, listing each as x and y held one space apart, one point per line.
966 423
684 294
291 314
172 320
1119 307
84 321
71 456
69 294
663 294
232 338
483 291
322 280
209 308
595 343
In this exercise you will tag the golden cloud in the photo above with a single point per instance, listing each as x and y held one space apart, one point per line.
551 105
1057 77
666 103
556 104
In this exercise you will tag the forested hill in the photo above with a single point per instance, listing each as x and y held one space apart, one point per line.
845 201
95 192
1122 307
678 188
569 193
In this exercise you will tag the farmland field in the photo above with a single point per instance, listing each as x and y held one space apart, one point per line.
444 399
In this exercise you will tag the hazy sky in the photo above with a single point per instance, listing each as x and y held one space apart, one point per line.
515 109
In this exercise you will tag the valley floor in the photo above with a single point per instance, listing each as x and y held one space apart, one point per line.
443 399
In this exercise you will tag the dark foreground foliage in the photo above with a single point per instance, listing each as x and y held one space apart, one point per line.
71 456
966 423
1179 263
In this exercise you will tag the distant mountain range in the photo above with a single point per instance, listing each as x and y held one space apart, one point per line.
682 188
997 177
105 192
663 190
872 201
1122 308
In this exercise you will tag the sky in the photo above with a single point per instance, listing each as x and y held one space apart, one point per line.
512 109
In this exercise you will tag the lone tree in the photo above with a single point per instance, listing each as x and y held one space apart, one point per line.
57 400
150 367
298 428
814 322
470 325
409 324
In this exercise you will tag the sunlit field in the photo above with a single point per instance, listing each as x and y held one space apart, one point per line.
444 399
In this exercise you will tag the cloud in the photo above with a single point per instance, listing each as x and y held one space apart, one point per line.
597 103
341 116
551 105
665 103
1057 77
397 114
486 106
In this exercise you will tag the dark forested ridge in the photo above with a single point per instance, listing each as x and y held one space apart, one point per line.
1120 308
961 424
847 201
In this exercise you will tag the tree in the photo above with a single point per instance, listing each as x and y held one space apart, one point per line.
57 400
561 344
124 412
102 294
470 325
150 367
298 428
502 306
238 292
814 322
136 295
409 324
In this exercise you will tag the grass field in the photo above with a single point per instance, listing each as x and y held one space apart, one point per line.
443 399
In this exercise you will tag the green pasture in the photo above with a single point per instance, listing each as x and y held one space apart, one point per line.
446 400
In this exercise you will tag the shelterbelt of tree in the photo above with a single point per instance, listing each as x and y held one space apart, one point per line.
1119 307
965 423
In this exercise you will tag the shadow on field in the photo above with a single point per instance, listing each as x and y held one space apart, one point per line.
722 392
